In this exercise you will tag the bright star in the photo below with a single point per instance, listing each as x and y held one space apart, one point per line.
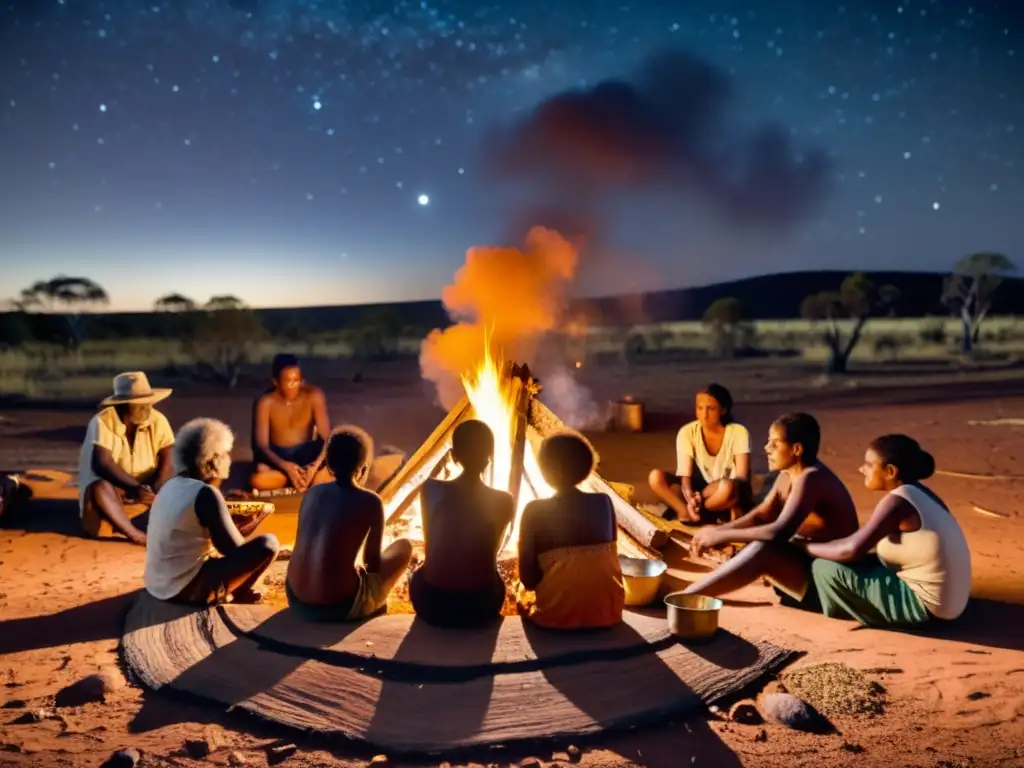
423 199
317 104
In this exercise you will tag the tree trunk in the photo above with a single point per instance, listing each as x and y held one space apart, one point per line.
967 339
837 359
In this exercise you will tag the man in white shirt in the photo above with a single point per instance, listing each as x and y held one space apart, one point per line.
125 458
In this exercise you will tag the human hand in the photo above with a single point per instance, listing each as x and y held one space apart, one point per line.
294 474
694 506
138 538
145 495
705 539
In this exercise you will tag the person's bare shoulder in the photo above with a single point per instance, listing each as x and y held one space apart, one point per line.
313 393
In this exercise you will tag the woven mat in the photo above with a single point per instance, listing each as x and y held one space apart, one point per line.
397 684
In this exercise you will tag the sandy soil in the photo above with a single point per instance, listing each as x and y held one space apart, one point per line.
955 697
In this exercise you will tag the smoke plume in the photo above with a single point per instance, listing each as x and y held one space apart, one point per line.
667 127
506 297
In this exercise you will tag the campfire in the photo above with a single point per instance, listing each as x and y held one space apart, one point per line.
504 396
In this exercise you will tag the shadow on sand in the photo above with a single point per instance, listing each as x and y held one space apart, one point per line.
99 620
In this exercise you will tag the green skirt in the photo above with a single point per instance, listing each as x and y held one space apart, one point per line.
866 592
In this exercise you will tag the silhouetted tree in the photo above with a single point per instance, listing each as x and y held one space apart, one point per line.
226 337
968 291
174 302
69 297
858 298
728 325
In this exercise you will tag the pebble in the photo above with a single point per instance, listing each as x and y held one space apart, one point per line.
574 753
198 748
791 712
35 716
280 752
530 762
236 758
745 712
762 735
123 758
91 688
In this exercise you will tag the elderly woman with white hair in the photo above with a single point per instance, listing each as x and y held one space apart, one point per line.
189 520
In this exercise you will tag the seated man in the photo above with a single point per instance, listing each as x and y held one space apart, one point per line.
125 458
189 519
324 583
289 425
807 501
568 550
464 522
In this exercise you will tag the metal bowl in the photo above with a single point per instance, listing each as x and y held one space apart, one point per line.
692 617
641 578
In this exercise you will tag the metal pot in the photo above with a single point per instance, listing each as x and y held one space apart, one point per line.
641 578
692 617
628 415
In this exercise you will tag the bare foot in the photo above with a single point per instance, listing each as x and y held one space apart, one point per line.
247 597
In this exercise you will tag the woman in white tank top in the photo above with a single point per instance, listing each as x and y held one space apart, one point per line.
921 569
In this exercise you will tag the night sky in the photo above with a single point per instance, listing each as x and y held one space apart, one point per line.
325 152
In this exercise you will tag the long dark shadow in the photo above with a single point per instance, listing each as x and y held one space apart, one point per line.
98 620
460 707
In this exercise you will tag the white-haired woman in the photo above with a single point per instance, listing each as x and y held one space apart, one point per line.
189 520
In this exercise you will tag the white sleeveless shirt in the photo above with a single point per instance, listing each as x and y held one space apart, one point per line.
934 561
177 544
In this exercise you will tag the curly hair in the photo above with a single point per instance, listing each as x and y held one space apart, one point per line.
198 442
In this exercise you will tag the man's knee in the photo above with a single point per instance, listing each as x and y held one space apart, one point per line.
657 480
266 544
402 550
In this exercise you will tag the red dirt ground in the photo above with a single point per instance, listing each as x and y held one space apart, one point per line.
954 698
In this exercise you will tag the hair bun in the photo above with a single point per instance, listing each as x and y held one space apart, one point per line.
925 465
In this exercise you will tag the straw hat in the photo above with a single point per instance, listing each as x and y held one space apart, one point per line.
133 387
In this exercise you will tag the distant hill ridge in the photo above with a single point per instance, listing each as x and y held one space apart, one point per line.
766 297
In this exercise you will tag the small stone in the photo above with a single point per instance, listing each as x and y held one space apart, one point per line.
123 758
280 752
35 716
850 747
787 710
530 762
574 753
977 695
198 748
236 758
91 688
745 712
762 735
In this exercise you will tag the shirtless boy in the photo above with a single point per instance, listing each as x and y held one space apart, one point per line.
323 582
464 524
807 502
289 425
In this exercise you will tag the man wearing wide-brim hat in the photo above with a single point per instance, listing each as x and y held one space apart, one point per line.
126 457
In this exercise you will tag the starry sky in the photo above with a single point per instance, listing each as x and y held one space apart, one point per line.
298 152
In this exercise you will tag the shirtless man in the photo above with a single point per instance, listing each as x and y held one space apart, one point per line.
464 523
807 502
289 425
324 583
125 458
9 487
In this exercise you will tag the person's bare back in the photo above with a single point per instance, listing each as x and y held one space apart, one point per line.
333 523
464 526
